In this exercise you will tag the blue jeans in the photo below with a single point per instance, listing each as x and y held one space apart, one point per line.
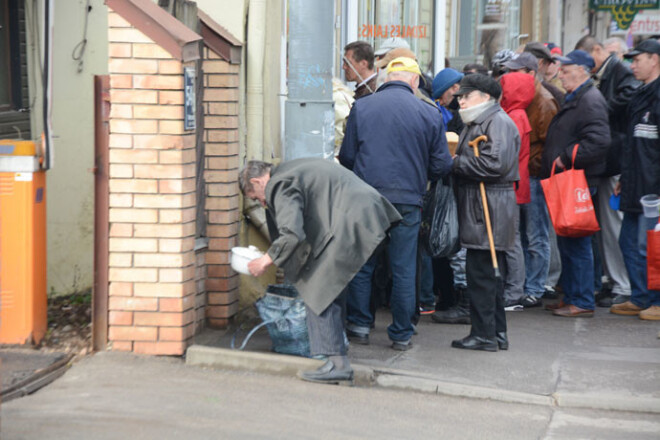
632 241
535 239
577 275
403 263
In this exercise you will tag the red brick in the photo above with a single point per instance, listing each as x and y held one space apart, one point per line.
158 201
221 95
221 284
121 200
164 171
142 50
162 260
160 348
133 126
132 245
161 231
176 304
120 318
132 65
176 275
128 35
222 230
221 149
170 97
164 290
221 176
223 218
222 189
218 323
120 260
221 203
133 275
222 135
158 141
144 186
223 244
222 163
176 333
130 215
121 141
160 82
120 289
222 108
158 111
212 66
176 186
133 156
219 271
133 304
169 67
218 257
121 346
119 50
126 333
221 122
226 311
221 80
121 230
134 96
121 82
121 171
176 244
222 298
177 156
163 319
171 127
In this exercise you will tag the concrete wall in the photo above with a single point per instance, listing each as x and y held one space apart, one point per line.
70 183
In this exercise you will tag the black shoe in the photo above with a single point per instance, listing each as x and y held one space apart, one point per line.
602 296
459 314
610 301
402 346
549 293
475 343
327 373
502 340
530 301
358 338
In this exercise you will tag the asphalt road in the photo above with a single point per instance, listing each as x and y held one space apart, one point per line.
122 396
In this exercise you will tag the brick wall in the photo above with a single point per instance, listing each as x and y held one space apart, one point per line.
222 147
152 199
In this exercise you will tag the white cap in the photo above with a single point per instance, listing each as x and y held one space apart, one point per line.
391 43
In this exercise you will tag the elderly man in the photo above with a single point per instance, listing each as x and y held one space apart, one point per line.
617 84
496 166
395 142
545 59
359 67
319 250
640 175
616 46
583 120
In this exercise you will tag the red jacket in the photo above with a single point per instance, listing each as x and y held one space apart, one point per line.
517 93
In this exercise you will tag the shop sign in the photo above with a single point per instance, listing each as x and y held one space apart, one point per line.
391 31
623 11
645 23
189 100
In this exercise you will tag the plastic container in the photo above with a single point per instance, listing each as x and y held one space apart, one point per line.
651 205
615 201
241 256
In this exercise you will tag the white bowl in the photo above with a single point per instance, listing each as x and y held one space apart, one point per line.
241 256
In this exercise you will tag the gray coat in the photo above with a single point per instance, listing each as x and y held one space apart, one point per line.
497 167
329 223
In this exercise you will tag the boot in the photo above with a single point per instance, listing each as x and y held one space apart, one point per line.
459 314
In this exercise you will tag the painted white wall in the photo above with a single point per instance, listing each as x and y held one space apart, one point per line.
70 184
230 14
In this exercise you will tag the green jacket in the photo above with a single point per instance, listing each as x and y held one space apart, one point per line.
328 221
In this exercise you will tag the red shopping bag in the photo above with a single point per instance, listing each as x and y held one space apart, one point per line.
653 259
569 202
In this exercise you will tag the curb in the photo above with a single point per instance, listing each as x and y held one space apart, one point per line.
284 365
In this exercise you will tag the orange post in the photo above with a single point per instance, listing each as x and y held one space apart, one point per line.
23 296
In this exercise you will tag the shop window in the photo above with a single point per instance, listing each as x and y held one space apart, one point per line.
484 27
411 20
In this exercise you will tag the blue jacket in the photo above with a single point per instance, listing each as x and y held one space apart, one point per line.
396 143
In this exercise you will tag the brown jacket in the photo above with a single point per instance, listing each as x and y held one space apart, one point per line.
540 112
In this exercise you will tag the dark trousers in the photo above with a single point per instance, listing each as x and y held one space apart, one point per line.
326 331
486 293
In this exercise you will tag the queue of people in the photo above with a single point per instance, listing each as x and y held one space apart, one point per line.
338 224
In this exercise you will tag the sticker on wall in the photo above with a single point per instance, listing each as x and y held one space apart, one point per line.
23 177
189 98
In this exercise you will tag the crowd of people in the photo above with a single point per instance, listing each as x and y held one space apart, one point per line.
516 121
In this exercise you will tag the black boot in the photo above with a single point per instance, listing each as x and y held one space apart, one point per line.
459 314
475 343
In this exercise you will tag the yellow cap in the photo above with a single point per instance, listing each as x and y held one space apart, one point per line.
403 64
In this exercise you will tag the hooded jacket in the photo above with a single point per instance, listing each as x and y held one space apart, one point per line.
517 93
640 161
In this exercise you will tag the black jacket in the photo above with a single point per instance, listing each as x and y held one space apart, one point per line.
582 120
640 160
617 84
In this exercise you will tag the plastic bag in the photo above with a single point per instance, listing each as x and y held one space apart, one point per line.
283 313
439 228
653 259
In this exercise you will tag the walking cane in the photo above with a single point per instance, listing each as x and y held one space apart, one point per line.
484 201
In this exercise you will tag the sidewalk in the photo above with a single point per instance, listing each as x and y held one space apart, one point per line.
604 362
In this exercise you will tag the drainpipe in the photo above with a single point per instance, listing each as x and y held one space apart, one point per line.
309 126
256 39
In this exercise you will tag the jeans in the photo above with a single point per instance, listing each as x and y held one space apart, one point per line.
403 262
577 275
534 224
514 282
632 241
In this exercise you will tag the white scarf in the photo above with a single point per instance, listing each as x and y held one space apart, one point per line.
469 115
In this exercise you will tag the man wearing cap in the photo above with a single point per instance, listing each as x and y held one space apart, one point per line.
534 219
445 84
497 168
545 59
389 44
617 84
359 67
394 142
640 175
582 120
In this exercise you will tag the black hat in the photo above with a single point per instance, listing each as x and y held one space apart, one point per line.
646 46
524 60
480 82
539 50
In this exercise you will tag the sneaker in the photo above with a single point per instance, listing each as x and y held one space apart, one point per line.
513 305
549 293
529 301
358 338
626 308
426 309
650 314
611 300
402 345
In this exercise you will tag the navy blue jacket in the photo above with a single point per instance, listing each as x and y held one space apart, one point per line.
396 142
